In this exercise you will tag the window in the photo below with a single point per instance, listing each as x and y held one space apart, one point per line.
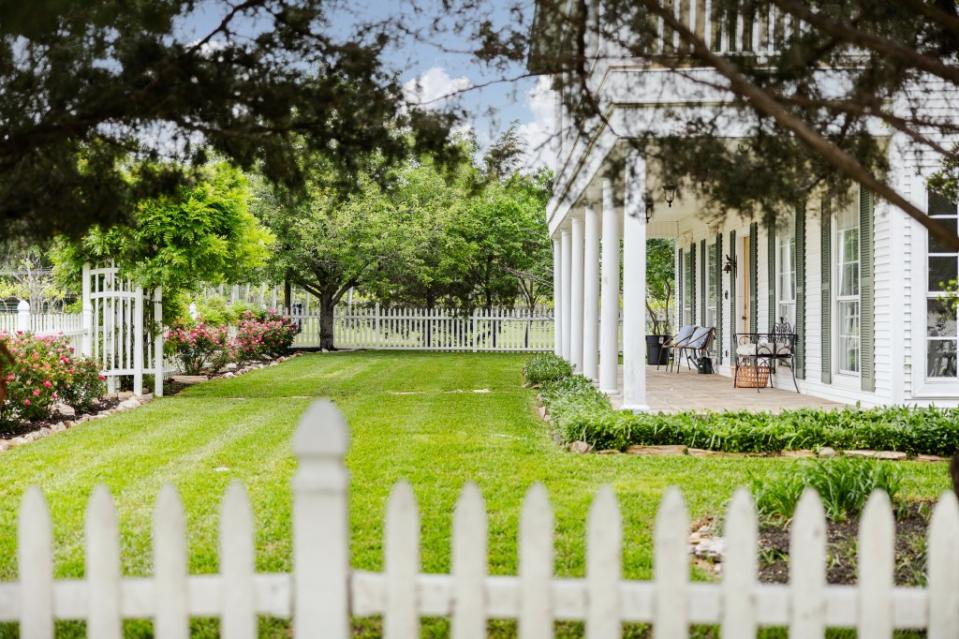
847 298
712 292
786 277
941 335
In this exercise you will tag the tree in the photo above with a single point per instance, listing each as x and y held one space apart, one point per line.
332 239
660 275
204 233
93 91
807 132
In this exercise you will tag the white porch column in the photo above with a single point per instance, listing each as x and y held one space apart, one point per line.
567 260
576 298
557 297
591 294
609 323
634 285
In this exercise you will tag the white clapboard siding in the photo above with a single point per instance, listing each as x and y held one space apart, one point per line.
322 592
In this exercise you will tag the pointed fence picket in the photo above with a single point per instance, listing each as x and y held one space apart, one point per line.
322 592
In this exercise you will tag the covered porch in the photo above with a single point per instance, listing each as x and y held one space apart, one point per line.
671 392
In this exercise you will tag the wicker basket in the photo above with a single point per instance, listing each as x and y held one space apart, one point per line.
752 376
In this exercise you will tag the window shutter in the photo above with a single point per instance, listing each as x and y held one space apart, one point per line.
692 283
867 311
753 277
732 298
680 276
826 327
702 280
719 297
771 280
800 261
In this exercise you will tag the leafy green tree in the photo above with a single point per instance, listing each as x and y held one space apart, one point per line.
660 278
92 91
204 233
331 240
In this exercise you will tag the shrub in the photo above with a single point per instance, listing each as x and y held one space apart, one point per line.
45 371
580 412
843 484
198 348
269 335
546 367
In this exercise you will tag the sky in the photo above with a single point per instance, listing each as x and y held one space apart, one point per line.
430 71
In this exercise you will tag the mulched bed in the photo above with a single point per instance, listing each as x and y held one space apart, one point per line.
912 521
23 428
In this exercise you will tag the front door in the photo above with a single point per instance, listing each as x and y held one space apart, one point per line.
744 285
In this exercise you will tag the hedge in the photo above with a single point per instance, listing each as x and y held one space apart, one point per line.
579 412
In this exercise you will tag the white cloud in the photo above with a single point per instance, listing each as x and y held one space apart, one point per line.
434 88
540 135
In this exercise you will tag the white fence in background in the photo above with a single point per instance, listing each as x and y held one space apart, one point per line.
322 592
69 325
502 330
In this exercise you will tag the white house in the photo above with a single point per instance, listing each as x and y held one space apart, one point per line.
859 284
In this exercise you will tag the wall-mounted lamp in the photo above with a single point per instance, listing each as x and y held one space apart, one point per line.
729 264
669 193
648 205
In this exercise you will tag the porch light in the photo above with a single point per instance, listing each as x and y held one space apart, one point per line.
648 205
669 193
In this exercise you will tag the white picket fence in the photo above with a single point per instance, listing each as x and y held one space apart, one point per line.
322 592
69 325
499 330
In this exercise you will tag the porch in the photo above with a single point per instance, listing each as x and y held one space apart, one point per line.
671 392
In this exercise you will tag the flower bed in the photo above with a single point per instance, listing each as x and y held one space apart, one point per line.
45 372
579 412
204 348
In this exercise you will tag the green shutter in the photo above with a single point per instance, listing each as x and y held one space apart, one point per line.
702 281
800 262
771 279
732 298
867 310
692 283
753 278
719 297
680 276
826 326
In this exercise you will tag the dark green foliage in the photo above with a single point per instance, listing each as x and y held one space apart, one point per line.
580 412
546 367
87 89
843 484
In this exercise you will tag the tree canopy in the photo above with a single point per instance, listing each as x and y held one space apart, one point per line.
106 104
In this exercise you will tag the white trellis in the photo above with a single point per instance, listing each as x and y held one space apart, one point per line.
117 332
322 592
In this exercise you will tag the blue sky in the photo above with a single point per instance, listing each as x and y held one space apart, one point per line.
438 69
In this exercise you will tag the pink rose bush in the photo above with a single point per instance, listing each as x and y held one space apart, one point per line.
46 371
264 336
204 348
200 348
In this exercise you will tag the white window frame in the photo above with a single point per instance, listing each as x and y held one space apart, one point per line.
840 300
934 295
689 289
786 269
713 287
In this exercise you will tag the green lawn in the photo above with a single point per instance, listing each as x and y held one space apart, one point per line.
412 415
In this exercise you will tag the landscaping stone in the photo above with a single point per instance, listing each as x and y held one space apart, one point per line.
229 374
888 455
826 452
702 452
130 402
188 380
63 409
608 451
579 447
931 458
799 454
122 395
656 451
891 455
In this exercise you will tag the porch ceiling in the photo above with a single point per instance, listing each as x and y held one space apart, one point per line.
689 391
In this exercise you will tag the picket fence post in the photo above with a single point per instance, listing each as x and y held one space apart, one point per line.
23 316
138 345
376 320
473 331
320 525
86 342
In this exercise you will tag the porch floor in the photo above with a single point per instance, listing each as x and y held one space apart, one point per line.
690 391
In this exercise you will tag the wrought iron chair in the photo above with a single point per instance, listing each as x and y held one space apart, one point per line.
697 346
765 351
677 340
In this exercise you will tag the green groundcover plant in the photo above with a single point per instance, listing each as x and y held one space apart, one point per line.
546 367
579 412
843 484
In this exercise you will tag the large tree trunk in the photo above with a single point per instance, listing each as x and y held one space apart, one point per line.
326 323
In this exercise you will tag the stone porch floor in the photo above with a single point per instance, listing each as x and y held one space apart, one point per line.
690 391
